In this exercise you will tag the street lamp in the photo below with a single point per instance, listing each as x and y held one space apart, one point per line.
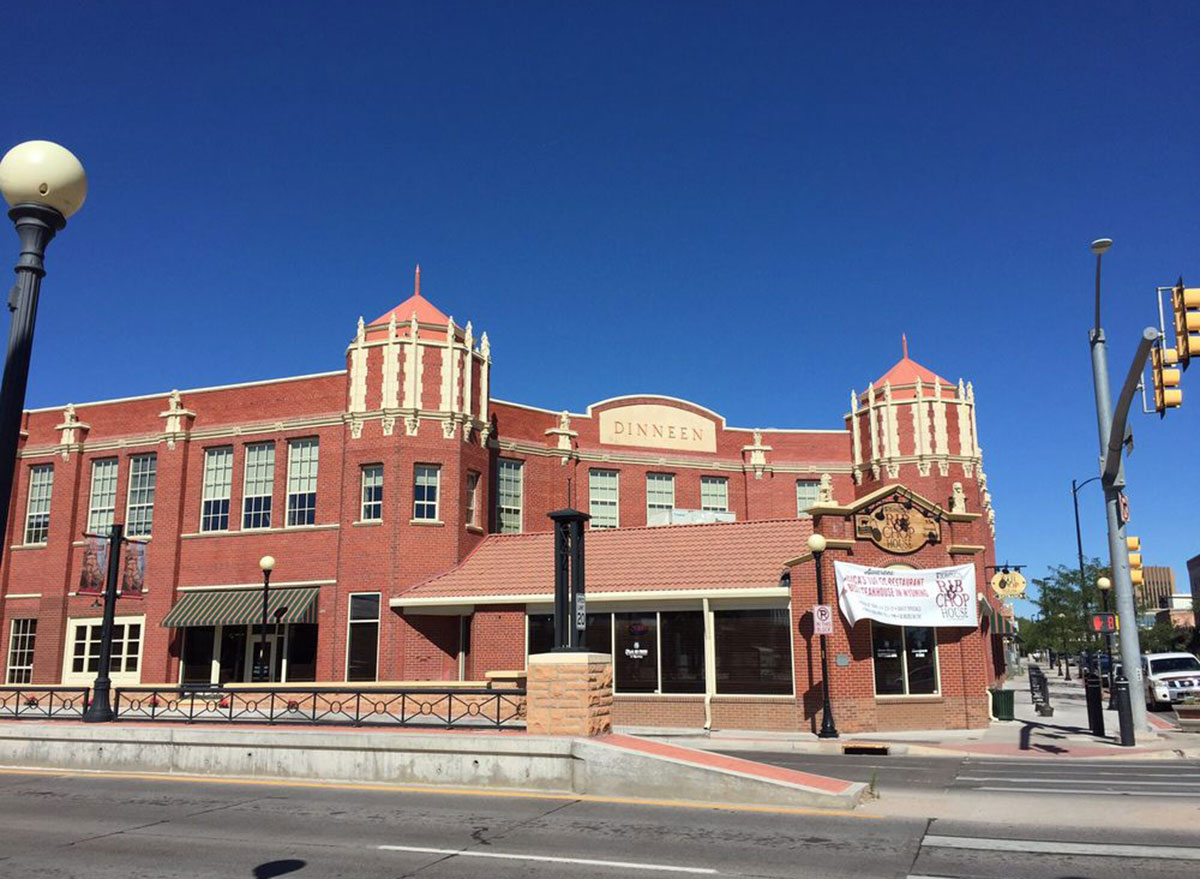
44 184
267 563
816 545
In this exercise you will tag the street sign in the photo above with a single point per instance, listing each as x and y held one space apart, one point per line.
823 619
1104 623
580 612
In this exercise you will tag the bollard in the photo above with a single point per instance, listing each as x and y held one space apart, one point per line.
1044 708
1124 712
1095 703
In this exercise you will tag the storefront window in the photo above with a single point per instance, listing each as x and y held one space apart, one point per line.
541 632
905 660
681 635
362 640
233 655
302 652
198 645
635 660
754 652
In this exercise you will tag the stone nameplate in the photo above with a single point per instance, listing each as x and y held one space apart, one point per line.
657 427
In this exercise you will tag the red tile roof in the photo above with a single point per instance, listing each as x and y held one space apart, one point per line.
727 555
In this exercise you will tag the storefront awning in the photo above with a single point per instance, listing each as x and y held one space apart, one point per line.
233 607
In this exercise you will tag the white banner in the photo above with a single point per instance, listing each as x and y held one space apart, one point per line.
932 597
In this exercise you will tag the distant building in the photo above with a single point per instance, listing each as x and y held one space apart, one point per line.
1158 587
1193 569
1178 611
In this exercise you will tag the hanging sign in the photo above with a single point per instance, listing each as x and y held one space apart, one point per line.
932 597
1008 584
822 619
133 578
95 561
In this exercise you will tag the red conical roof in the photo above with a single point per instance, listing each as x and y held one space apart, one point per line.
908 372
426 311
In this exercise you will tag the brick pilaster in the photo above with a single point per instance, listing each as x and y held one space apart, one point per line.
569 694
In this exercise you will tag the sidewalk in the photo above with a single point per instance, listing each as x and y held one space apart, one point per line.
1065 735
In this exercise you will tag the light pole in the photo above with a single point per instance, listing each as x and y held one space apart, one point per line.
267 563
816 545
1104 584
1079 539
44 184
1111 428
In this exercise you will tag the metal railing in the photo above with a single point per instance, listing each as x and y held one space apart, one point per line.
407 707
29 702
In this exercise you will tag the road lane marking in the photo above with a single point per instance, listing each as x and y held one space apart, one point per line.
441 791
1086 790
1039 846
589 862
1075 780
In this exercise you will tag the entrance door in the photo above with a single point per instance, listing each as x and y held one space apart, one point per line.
264 656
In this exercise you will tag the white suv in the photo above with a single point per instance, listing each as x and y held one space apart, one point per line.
1169 677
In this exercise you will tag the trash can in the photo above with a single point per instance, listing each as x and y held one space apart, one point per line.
1002 704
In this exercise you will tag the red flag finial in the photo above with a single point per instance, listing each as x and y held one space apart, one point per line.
904 344
417 282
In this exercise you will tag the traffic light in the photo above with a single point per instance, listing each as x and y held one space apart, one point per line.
1167 393
1185 305
1134 545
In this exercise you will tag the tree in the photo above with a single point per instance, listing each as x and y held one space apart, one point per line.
1065 601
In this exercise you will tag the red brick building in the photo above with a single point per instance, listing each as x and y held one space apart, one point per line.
406 509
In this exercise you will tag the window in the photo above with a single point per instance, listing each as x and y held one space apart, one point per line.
102 504
598 636
905 660
473 499
754 652
681 639
302 482
139 512
126 649
635 659
198 649
362 639
372 493
258 484
425 492
37 515
603 498
806 496
509 484
20 651
660 497
218 483
714 493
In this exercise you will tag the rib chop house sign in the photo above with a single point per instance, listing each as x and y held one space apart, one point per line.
657 427
934 597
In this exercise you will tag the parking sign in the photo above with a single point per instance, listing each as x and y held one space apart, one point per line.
823 619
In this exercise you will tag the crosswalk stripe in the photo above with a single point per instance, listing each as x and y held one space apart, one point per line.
1039 846
1076 780
1086 790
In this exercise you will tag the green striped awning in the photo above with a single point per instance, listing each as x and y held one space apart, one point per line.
232 607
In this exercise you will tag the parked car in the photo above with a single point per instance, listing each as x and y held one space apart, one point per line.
1169 677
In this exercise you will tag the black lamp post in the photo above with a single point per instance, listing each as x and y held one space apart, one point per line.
99 709
1104 584
816 545
44 183
267 563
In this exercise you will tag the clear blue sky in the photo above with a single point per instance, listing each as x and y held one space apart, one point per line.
741 204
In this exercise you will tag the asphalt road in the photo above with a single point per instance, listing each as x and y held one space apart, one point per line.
59 825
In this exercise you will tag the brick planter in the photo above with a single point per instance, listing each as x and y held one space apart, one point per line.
569 694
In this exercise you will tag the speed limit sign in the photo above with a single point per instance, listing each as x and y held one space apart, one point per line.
823 619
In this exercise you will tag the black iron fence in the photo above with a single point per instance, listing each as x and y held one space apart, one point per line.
43 703
407 707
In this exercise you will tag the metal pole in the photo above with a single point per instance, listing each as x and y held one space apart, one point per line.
36 226
262 637
578 585
100 709
828 728
1107 636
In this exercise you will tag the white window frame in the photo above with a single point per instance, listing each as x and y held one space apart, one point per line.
21 644
374 469
37 505
801 512
303 468
213 481
378 621
253 484
102 507
120 649
660 478
506 512
612 504
715 481
472 509
142 505
436 469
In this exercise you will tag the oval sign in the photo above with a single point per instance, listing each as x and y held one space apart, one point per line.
1008 584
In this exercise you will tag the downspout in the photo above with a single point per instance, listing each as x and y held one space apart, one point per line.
710 664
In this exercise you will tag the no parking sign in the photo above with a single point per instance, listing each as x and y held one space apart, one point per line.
823 619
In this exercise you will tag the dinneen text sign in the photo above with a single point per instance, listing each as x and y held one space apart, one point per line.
654 426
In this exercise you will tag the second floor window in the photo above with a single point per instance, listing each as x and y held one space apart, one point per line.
714 493
806 496
218 483
660 495
602 498
473 499
139 512
258 484
37 515
425 492
509 489
372 493
302 482
102 503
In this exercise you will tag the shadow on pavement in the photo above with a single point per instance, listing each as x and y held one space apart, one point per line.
278 868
